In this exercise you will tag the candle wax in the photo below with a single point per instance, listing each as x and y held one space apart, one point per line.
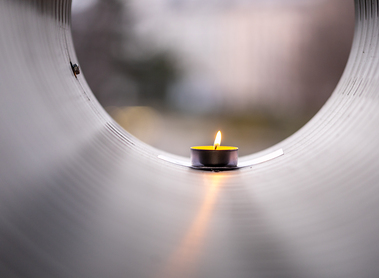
210 148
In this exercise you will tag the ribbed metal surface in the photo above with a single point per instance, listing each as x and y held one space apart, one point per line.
79 197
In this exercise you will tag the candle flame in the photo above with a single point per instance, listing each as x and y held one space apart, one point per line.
217 142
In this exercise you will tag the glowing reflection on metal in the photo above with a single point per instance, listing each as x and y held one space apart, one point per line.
182 261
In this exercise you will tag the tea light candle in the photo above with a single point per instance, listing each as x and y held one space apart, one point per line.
214 156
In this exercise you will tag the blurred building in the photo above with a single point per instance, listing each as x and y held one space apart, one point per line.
240 56
255 69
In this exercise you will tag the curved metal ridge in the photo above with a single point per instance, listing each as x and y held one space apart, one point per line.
80 197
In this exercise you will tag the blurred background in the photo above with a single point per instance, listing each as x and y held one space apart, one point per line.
174 72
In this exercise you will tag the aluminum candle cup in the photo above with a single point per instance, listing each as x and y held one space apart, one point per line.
208 156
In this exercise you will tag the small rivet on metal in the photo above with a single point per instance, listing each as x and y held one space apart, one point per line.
75 69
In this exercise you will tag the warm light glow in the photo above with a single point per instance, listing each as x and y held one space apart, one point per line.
217 142
185 259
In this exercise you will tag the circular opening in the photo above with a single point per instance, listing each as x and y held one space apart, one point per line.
172 73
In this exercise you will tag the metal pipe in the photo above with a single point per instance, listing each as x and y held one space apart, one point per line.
80 197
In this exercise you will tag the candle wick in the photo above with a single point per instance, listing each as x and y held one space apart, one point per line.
215 147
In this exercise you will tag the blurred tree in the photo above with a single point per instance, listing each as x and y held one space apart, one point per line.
153 75
103 37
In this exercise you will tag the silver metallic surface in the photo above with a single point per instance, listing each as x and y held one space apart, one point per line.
80 197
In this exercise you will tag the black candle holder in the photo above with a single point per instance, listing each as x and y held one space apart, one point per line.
209 158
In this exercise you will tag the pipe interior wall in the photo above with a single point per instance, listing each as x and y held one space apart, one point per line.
80 197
